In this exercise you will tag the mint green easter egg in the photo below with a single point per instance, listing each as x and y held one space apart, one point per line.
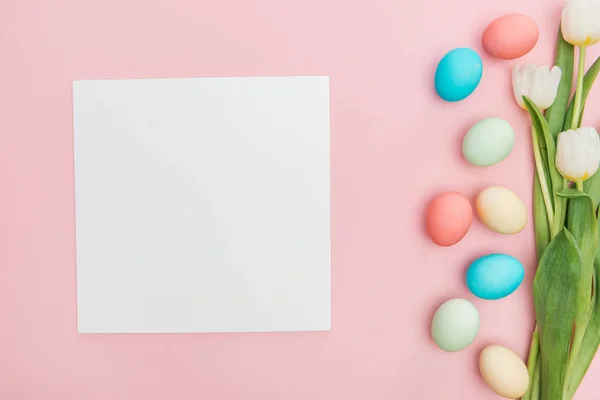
488 142
455 325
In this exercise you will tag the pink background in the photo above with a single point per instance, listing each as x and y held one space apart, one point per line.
394 145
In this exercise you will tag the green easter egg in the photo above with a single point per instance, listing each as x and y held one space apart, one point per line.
455 325
488 142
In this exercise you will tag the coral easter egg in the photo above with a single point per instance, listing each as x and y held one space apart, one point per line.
448 218
510 36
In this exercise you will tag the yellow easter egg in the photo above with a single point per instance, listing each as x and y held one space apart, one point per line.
504 371
501 210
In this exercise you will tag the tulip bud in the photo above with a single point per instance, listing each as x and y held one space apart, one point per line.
580 22
578 153
540 84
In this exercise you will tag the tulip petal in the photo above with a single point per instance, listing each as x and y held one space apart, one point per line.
517 81
553 83
555 75
527 78
539 91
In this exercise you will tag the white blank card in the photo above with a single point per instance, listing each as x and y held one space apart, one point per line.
202 205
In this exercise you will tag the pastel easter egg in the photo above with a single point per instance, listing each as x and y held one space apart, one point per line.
448 218
458 74
455 325
494 276
501 210
510 36
503 371
488 142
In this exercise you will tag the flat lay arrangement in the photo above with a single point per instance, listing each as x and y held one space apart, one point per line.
299 200
566 192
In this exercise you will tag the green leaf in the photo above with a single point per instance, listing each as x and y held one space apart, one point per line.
588 81
543 150
555 289
582 223
540 219
564 59
590 343
570 193
591 340
548 146
592 187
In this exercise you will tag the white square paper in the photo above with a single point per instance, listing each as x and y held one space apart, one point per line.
202 205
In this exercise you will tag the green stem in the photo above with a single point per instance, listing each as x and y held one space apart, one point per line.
580 327
535 386
532 363
543 181
560 205
582 319
579 91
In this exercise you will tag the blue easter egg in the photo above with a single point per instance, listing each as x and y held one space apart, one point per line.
494 276
458 74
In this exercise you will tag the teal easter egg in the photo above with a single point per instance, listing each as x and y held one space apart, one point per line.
458 74
455 325
488 142
494 276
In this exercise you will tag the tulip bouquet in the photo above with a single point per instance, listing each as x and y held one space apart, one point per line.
566 198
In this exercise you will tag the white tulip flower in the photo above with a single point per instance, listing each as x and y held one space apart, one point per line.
540 84
580 22
578 153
